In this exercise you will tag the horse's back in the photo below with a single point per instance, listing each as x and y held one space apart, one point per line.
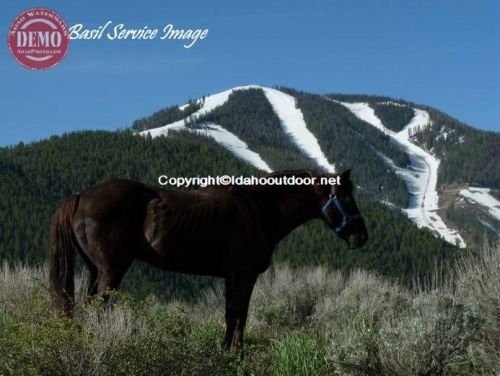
208 231
117 194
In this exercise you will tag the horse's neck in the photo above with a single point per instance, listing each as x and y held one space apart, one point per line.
296 207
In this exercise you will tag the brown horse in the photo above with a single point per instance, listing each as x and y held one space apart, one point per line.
228 232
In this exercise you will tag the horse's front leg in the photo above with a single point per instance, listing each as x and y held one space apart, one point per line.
238 290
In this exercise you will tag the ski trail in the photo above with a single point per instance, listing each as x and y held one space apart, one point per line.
482 196
420 176
223 137
233 143
291 119
294 124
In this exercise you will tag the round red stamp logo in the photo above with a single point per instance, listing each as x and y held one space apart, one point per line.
38 38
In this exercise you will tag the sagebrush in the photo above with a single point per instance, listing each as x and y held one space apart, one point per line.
308 321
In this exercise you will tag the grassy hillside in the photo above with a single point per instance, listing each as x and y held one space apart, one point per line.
302 322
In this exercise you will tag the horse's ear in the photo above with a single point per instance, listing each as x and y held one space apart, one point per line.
346 175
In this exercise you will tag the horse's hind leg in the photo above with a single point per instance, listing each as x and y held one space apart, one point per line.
109 277
92 289
109 280
107 252
92 286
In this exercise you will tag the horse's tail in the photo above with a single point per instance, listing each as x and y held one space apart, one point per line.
62 247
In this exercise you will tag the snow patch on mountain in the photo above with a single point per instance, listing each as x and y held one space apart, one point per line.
221 135
489 226
364 112
420 176
420 121
294 124
225 138
232 143
292 121
207 105
482 196
443 133
392 103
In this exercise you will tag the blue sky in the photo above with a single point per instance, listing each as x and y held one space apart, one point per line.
441 53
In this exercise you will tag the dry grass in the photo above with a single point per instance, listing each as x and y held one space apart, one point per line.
310 321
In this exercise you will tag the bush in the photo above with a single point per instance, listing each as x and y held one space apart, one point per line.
302 322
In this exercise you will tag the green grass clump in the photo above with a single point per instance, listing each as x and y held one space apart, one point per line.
301 353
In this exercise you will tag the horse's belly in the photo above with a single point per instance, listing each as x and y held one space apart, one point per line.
191 257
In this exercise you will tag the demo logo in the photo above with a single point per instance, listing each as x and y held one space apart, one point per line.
38 38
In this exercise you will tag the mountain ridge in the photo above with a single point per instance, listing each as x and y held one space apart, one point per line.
419 171
38 175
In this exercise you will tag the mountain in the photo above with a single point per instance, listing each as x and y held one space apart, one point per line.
418 205
411 157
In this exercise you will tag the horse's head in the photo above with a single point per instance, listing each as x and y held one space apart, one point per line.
340 212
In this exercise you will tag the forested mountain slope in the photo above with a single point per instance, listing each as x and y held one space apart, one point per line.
36 177
250 130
